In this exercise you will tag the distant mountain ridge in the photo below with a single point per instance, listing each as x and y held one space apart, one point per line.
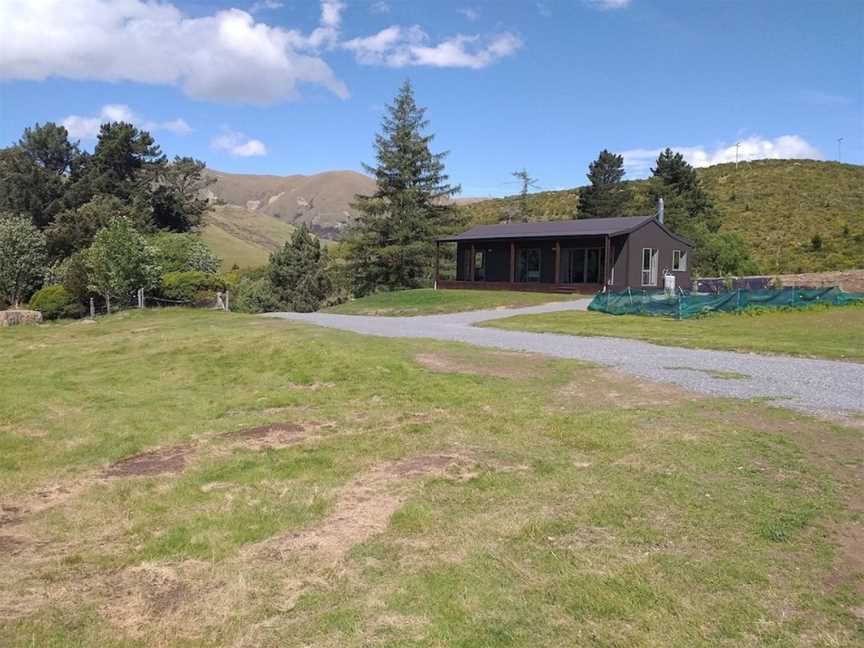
322 201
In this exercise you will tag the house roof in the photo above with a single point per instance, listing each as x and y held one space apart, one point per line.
551 229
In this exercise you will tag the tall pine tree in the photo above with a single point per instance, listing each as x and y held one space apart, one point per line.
392 244
607 195
686 204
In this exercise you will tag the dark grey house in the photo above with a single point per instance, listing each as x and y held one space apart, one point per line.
570 256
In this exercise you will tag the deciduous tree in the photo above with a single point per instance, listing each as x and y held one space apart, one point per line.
22 258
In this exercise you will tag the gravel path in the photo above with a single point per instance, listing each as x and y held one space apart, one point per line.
818 386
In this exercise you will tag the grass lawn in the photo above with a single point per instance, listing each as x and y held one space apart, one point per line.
425 301
836 333
309 487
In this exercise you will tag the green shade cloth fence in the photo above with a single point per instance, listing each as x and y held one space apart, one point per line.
683 305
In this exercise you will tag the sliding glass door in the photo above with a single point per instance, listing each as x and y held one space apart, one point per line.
582 265
528 265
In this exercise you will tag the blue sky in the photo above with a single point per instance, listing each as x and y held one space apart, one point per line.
297 86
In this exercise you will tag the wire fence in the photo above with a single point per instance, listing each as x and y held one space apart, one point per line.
141 300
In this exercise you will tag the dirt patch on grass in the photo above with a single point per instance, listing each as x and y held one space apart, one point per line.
499 365
152 462
277 435
363 508
849 564
598 388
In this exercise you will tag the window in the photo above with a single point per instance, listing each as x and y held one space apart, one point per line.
480 265
649 266
679 261
528 268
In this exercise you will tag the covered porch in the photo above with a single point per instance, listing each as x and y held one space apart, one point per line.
568 264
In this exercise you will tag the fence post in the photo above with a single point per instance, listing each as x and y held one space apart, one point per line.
140 298
92 309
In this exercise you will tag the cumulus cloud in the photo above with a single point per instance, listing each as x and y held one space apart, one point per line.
638 162
608 5
470 13
227 56
87 127
410 46
238 144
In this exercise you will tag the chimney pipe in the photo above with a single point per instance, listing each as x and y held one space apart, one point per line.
660 210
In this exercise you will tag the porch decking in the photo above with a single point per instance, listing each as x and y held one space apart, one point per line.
530 286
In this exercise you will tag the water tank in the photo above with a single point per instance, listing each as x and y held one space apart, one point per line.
669 284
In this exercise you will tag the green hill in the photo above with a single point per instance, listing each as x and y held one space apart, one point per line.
242 237
778 206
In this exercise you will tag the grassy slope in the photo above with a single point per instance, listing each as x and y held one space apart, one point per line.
835 333
425 301
776 205
243 237
590 510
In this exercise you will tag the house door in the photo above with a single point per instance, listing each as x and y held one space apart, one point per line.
582 265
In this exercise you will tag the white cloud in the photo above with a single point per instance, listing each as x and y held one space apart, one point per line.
226 56
408 46
265 5
380 7
88 127
470 13
608 5
638 162
238 144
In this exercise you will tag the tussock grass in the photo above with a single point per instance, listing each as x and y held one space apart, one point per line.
552 520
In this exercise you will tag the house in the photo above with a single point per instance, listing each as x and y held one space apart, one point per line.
569 256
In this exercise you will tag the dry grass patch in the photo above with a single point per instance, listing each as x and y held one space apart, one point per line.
594 388
497 364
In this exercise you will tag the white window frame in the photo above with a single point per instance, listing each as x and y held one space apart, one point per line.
682 261
651 271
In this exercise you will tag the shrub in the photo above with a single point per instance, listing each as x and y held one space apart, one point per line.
181 252
255 294
198 288
22 258
55 302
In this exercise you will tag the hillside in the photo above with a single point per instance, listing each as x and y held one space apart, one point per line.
778 206
322 200
243 237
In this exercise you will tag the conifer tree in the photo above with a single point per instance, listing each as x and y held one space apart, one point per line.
392 244
607 195
298 273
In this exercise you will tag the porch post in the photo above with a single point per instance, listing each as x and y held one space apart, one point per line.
471 265
512 262
557 262
437 252
606 253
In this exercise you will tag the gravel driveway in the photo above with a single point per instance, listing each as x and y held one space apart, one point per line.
819 386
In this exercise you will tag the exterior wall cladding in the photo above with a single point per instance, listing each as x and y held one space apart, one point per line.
625 263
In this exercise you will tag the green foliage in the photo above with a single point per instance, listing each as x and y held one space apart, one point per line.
54 302
298 273
74 229
392 244
191 286
607 195
120 261
22 258
124 162
254 294
180 252
177 200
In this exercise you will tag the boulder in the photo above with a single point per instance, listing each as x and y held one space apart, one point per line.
13 317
